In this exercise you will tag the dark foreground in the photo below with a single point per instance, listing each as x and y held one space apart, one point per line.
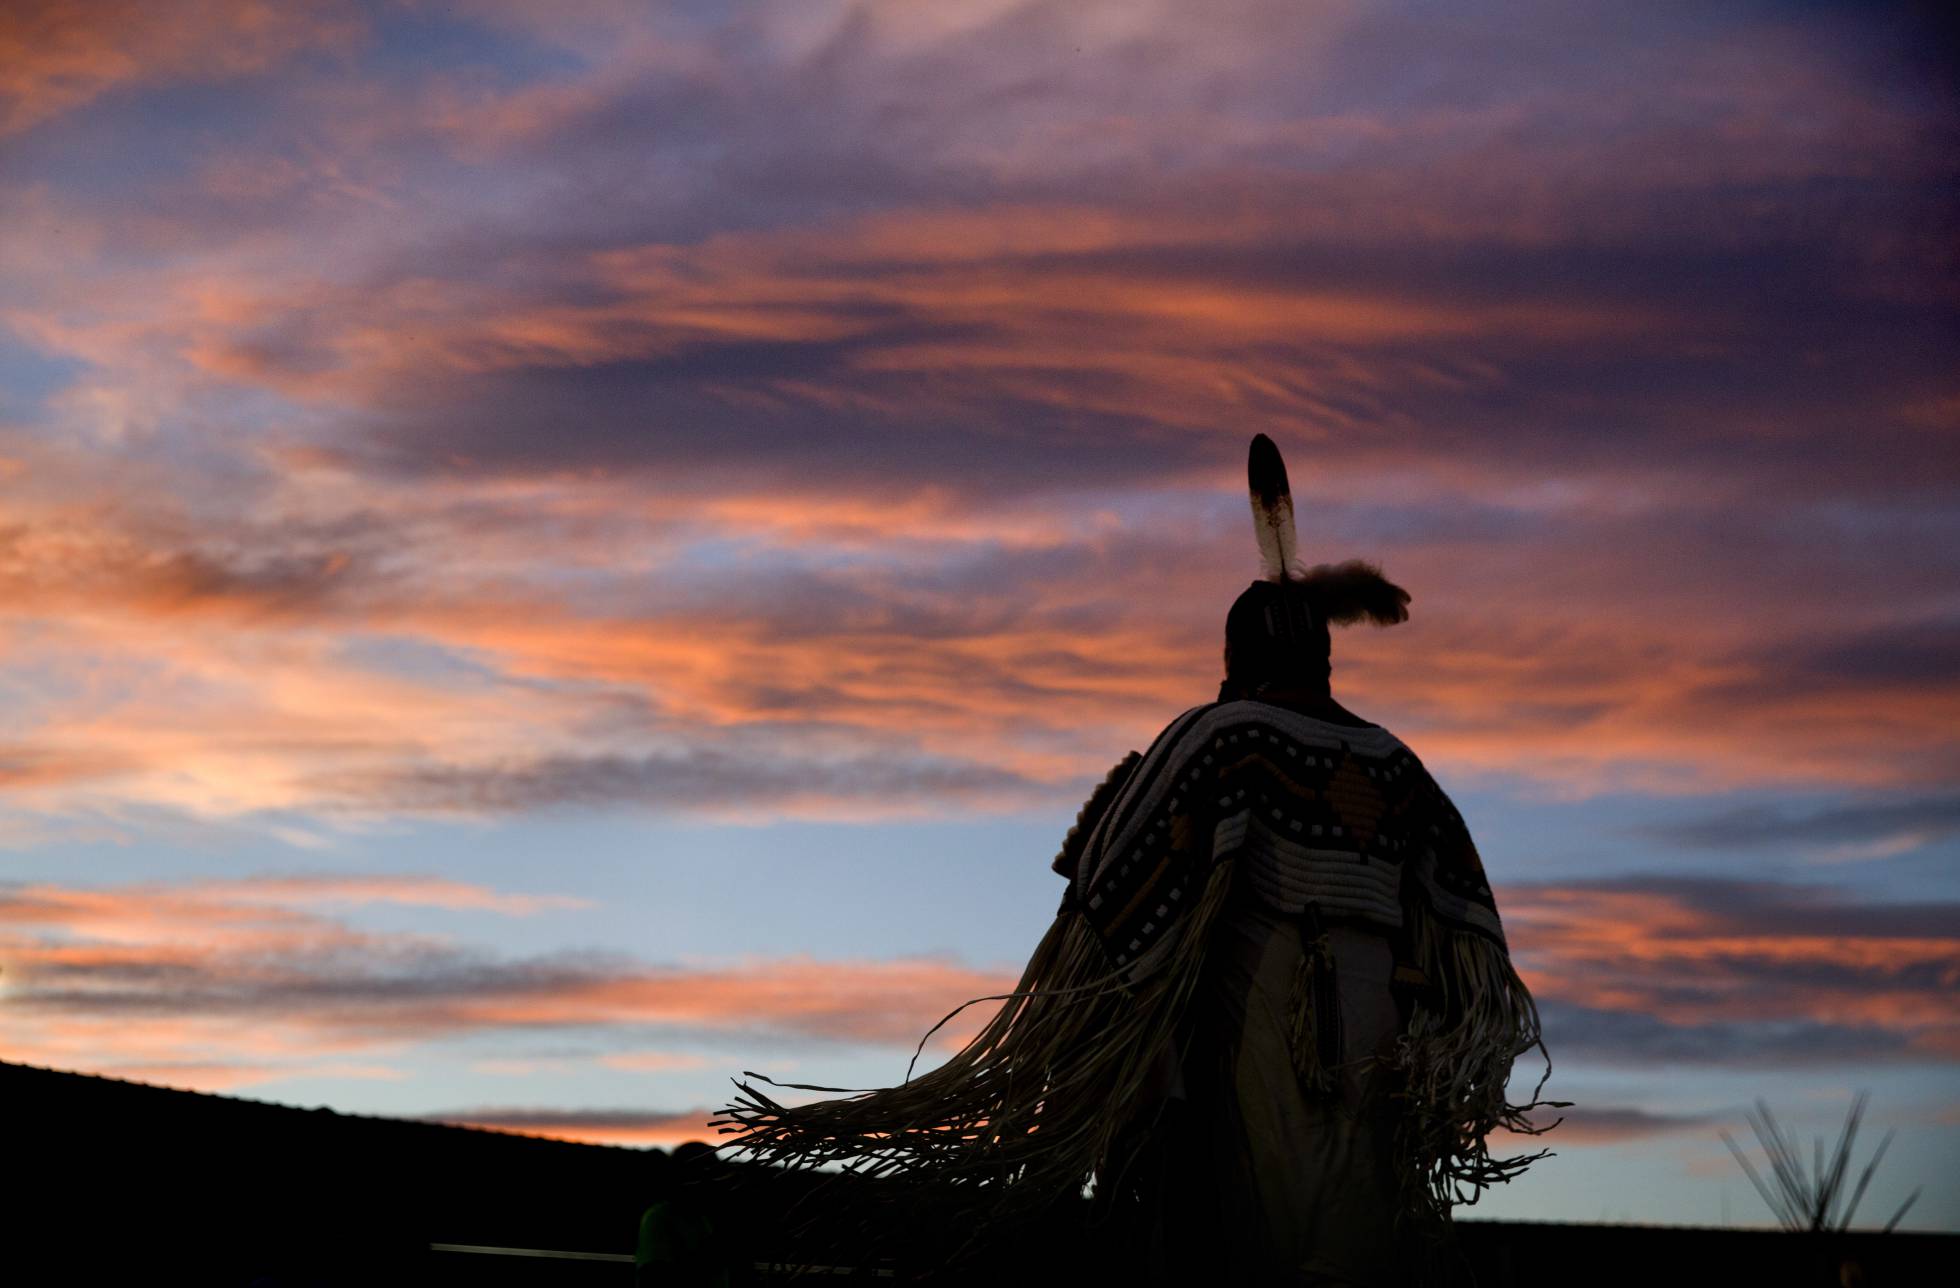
111 1181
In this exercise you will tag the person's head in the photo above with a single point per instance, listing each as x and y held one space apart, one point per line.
691 1151
700 1175
1273 637
1276 634
656 1176
695 1161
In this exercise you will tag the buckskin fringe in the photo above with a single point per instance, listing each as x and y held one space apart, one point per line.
1023 1113
1455 1058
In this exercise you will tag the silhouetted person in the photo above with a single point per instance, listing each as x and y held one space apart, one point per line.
688 1237
1274 1018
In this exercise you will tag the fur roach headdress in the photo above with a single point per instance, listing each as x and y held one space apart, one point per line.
1277 630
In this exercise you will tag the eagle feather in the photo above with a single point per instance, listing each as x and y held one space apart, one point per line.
1272 512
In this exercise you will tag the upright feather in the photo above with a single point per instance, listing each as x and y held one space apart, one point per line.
1272 511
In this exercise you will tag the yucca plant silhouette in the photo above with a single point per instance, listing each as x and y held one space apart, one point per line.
1813 1201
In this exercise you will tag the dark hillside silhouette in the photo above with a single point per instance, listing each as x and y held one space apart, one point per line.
110 1180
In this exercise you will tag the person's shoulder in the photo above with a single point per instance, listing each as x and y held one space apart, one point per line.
1211 721
1340 728
1185 721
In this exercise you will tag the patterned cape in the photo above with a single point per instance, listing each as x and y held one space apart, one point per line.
1341 816
1335 821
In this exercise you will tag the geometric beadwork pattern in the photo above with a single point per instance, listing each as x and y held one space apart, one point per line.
1336 815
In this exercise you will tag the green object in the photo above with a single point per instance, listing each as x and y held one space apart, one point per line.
679 1245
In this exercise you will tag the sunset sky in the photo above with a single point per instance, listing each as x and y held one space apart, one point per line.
550 555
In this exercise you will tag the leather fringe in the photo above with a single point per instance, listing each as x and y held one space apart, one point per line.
1041 1102
1028 1111
1463 1033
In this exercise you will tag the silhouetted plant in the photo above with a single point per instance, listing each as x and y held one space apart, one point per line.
1812 1202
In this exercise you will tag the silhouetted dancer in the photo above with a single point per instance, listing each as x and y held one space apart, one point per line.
1274 1018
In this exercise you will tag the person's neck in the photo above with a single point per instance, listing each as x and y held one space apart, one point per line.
1316 701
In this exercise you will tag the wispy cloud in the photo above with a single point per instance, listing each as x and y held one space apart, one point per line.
653 1061
1845 831
1673 970
592 1126
1617 1124
863 437
436 650
264 976
261 979
60 55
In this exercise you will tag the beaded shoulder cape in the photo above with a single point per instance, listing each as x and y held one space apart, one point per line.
1340 816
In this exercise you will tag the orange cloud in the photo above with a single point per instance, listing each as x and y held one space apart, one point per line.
1736 958
246 908
1066 307
828 422
1583 1125
426 892
240 982
223 682
653 1061
229 983
882 1002
192 1076
59 55
591 1126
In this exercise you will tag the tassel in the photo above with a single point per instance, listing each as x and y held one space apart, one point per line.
1315 1005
